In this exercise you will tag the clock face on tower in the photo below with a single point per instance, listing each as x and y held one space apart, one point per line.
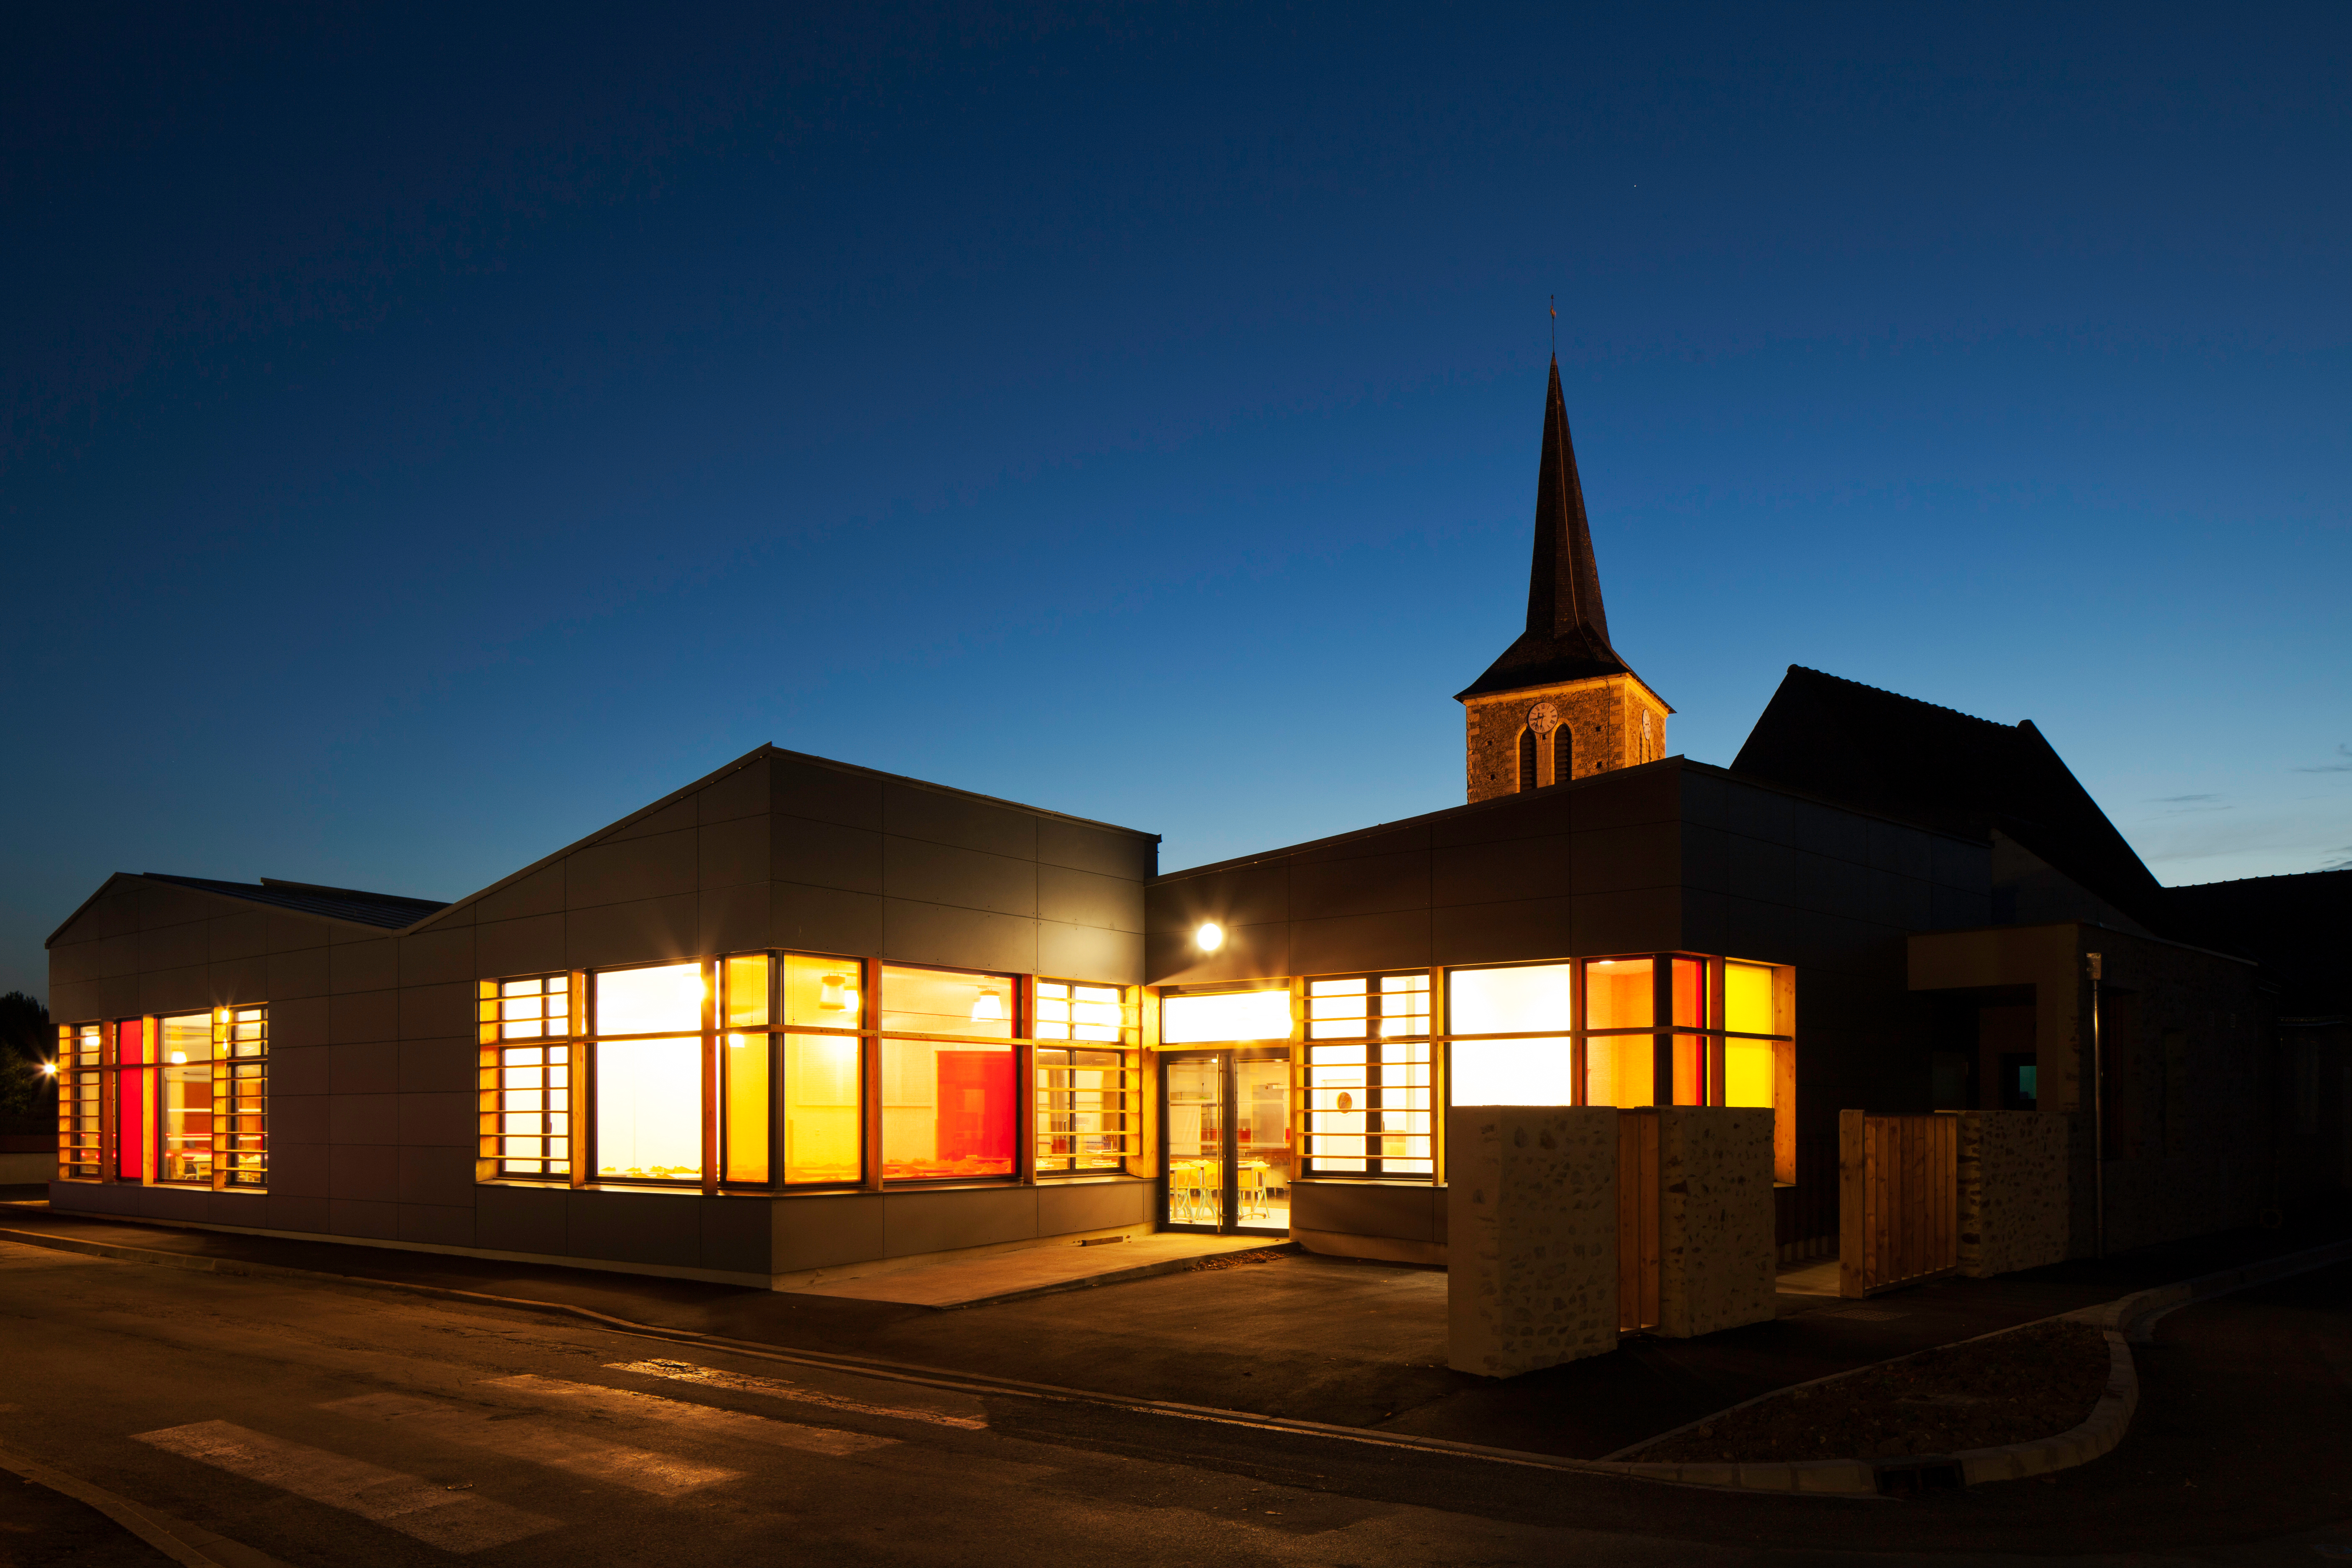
1543 718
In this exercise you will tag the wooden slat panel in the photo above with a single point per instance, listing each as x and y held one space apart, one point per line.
1898 1190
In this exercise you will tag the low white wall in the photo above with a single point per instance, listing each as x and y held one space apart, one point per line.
1531 1236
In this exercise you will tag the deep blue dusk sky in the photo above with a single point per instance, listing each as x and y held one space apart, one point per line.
433 434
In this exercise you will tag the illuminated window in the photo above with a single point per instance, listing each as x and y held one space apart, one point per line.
948 1105
1620 1069
1224 1017
525 1029
1367 1086
1527 760
130 1100
184 1098
1534 999
1088 1087
1748 1010
649 1087
823 1112
81 1050
241 1086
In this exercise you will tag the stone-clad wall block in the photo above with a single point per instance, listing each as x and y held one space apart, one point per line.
2013 1190
1716 1257
1531 1221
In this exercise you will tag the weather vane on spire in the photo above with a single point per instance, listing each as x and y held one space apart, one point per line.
1555 326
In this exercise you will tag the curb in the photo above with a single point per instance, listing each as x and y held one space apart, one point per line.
120 1510
2121 1321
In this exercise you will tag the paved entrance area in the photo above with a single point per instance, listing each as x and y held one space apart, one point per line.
1036 1271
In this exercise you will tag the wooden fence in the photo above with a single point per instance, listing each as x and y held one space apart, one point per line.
1899 1200
1637 1220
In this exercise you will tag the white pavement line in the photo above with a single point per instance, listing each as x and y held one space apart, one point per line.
657 1473
628 1402
120 1510
455 1521
779 1388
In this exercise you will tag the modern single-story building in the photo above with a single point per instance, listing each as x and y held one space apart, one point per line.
802 1016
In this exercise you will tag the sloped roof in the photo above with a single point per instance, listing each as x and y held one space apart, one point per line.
1567 629
2298 928
1897 756
391 911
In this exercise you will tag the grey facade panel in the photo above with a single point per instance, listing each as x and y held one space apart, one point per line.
680 816
1394 941
439 1067
736 919
301 973
941 818
1065 1207
631 870
745 792
1501 870
540 893
363 1067
437 957
239 936
1360 885
366 1171
240 980
957 938
367 966
931 873
825 794
733 851
1088 898
635 1228
1352 1208
1086 953
647 931
1503 932
370 1221
443 1177
920 1222
737 1234
1127 857
429 1224
1172 958
521 1219
175 990
819 1232
365 1016
532 944
436 1012
825 920
824 854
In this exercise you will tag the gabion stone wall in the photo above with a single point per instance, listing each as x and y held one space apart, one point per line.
1531 1236
1716 1261
2013 1190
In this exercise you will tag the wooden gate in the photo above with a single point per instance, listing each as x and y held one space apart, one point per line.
1637 1220
1899 1200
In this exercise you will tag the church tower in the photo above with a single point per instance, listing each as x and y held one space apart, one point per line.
1559 704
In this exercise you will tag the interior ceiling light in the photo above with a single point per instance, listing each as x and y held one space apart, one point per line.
1210 936
833 993
988 1007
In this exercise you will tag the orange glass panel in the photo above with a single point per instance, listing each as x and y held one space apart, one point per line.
1690 992
1618 995
1690 1070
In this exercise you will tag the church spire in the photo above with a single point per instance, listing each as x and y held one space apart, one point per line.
1568 631
1563 586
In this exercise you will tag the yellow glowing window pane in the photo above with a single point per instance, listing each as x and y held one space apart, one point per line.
747 992
822 991
1225 1015
744 1070
823 1136
649 1106
650 1001
1747 999
1748 1073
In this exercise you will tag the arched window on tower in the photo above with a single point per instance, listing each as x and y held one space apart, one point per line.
1527 760
1563 753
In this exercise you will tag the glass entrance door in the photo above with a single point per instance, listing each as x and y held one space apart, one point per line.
1225 1131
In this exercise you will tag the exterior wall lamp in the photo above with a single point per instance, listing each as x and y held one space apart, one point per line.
1210 936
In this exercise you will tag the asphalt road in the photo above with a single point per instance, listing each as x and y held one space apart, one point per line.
314 1424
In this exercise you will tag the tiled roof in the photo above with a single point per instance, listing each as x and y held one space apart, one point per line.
1881 752
2298 928
389 911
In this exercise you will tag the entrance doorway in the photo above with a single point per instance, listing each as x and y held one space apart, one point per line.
1225 1117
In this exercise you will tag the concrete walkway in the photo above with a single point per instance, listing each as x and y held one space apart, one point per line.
1035 1270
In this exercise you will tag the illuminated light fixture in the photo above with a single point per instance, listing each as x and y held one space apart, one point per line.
51 1068
834 996
988 1007
179 1056
1210 936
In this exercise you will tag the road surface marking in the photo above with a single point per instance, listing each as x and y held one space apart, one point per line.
597 1399
455 1521
715 1377
656 1473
